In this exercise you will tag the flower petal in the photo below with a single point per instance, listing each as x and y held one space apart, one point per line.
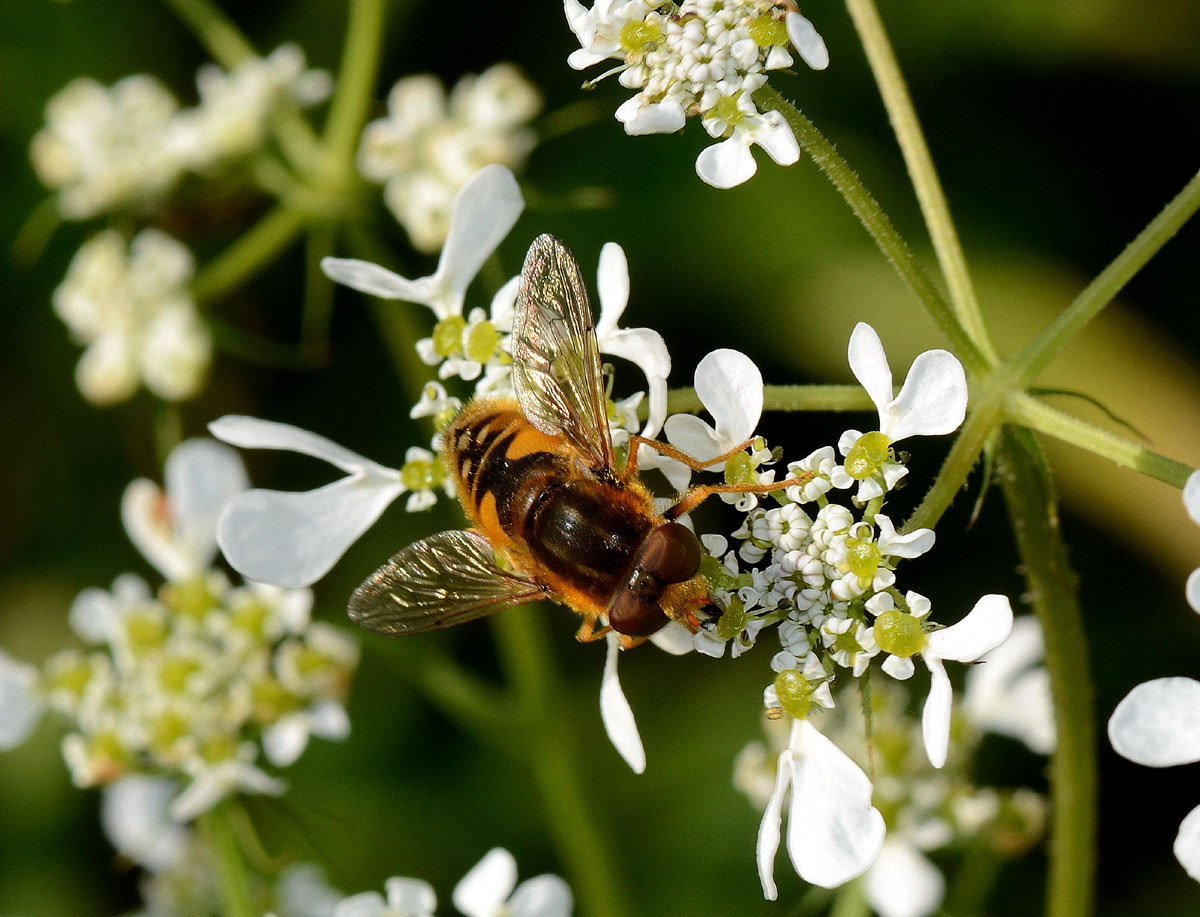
541 896
933 400
1192 590
293 539
374 280
484 211
1191 496
133 811
768 828
612 284
674 639
19 707
483 890
617 714
807 41
869 363
730 387
984 628
201 476
903 882
727 164
253 433
1158 723
935 718
913 544
1187 843
774 135
833 833
641 118
647 349
410 897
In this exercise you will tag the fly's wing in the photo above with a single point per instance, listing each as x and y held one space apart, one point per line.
556 361
446 579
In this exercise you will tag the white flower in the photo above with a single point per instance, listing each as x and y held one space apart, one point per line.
599 29
237 107
133 811
103 147
984 628
292 539
933 399
1191 501
902 882
1158 725
730 163
488 891
730 387
833 832
642 346
19 705
285 740
133 312
805 39
485 209
428 146
176 531
1009 691
616 713
405 898
213 781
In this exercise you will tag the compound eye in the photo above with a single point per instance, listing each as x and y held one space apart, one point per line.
671 553
634 615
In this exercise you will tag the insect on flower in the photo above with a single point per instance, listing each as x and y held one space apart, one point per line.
553 517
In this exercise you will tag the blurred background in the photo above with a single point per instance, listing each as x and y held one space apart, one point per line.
1059 130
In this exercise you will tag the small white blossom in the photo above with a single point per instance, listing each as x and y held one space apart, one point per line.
428 146
237 108
103 147
490 890
616 713
833 831
1191 501
292 539
1158 725
176 530
20 707
132 310
1008 693
405 898
484 210
133 811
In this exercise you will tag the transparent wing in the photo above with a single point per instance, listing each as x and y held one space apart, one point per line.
446 579
556 361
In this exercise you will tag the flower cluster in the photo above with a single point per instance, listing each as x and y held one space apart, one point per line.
131 309
700 58
124 147
189 680
924 809
430 144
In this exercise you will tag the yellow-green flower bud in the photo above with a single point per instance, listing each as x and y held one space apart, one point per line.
867 456
794 693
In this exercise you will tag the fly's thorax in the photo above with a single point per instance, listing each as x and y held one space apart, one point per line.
661 582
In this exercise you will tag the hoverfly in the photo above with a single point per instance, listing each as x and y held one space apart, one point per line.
552 516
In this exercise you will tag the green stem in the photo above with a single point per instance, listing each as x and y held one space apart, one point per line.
1026 365
355 85
236 898
972 436
785 398
1029 493
249 254
551 753
876 222
316 315
216 32
1030 412
924 177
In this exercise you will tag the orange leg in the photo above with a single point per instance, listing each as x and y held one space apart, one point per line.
698 495
680 456
587 632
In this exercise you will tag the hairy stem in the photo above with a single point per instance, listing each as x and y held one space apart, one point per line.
917 159
1099 293
1029 493
864 206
